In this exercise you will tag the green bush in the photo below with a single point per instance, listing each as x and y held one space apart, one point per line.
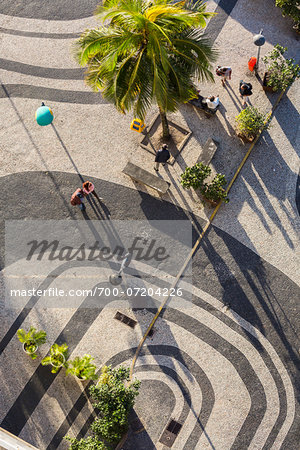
250 121
281 72
57 358
290 8
31 340
90 443
194 176
113 398
82 368
215 191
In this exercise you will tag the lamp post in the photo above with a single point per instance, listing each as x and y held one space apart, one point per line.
116 279
258 40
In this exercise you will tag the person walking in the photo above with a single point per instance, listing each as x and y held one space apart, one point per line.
80 193
162 156
245 91
225 73
77 199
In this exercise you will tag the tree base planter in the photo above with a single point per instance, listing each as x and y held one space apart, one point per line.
204 200
153 140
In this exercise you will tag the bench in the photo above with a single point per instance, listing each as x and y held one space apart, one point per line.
197 102
145 177
208 151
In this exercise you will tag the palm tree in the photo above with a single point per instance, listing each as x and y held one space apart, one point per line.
147 51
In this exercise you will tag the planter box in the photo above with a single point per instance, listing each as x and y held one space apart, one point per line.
152 140
210 202
296 28
265 80
244 138
204 199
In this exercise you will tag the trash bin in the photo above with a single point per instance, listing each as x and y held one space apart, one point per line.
252 63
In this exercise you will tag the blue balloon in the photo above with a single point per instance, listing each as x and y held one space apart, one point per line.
44 115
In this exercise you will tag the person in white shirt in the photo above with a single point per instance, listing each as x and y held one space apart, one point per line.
212 102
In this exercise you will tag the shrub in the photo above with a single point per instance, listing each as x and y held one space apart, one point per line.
281 72
82 368
57 358
113 398
31 340
215 191
250 121
194 176
290 8
90 443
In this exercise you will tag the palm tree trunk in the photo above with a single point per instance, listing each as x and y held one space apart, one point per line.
165 125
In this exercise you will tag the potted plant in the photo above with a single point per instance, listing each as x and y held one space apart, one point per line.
250 121
31 340
57 357
214 192
280 72
194 176
82 368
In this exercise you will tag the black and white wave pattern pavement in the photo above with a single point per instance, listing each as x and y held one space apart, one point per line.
231 390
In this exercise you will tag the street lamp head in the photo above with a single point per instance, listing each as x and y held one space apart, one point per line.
259 39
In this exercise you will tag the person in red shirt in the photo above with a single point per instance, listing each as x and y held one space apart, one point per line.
77 198
89 188
80 193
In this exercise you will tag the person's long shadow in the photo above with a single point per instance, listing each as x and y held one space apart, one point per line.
94 205
67 151
233 296
234 98
230 128
257 172
288 116
257 278
101 214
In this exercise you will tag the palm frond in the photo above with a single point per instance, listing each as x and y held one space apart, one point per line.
146 51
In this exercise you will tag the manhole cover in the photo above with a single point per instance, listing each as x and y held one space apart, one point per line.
125 319
169 435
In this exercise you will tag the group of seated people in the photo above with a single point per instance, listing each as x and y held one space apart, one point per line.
211 102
